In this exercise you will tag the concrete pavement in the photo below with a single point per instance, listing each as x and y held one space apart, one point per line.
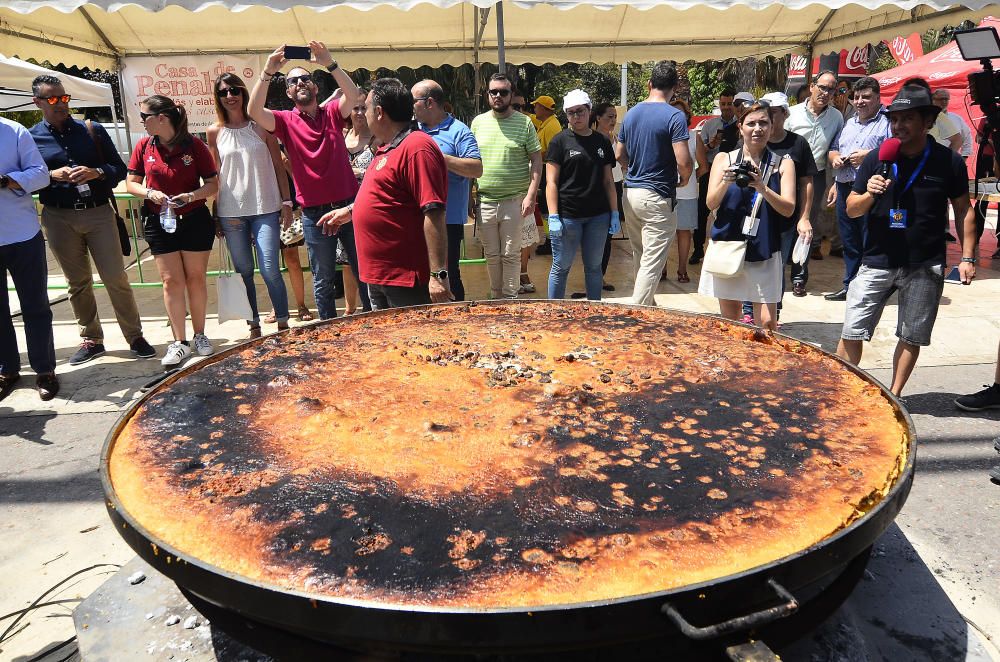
932 591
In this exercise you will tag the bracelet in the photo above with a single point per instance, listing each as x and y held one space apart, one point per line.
148 191
286 203
264 76
970 260
333 66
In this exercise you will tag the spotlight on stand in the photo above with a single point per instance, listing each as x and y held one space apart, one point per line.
983 44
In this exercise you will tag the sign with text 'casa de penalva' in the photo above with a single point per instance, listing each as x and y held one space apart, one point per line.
187 79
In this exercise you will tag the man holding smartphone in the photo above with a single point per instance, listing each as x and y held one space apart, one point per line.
313 137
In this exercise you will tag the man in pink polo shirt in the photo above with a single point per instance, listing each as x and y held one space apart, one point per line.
313 136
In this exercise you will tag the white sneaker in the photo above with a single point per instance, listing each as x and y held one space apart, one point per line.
202 345
175 354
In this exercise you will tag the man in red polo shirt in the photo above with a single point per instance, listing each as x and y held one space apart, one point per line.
399 213
314 139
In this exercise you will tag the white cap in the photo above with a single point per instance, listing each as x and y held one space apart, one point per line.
776 99
744 96
575 98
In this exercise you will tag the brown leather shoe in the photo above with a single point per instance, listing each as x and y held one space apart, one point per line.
7 384
48 386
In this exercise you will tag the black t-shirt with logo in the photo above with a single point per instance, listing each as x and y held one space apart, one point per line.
581 161
797 149
922 243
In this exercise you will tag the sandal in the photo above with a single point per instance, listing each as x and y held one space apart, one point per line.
304 314
270 319
682 277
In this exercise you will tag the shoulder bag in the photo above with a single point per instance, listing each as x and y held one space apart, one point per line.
123 237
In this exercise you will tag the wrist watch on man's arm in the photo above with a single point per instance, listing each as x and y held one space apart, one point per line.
440 274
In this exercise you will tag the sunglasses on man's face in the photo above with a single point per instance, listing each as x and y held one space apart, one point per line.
305 79
53 100
229 92
499 93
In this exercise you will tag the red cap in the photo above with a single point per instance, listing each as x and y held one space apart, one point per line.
889 150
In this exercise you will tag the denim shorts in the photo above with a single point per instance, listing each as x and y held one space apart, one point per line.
920 290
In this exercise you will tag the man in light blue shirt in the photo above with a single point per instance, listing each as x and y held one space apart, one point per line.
863 132
22 253
461 156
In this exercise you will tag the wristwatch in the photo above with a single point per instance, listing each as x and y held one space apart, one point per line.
970 260
100 172
333 66
4 181
440 275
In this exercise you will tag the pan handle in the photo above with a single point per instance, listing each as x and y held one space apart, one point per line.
739 623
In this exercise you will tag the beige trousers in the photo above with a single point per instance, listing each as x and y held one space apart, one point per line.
501 236
76 235
651 225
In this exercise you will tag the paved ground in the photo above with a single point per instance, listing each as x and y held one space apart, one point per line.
932 591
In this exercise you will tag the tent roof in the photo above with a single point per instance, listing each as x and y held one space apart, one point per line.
374 33
15 86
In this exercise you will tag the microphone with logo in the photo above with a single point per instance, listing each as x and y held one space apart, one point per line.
888 151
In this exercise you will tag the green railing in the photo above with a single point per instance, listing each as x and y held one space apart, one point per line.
130 216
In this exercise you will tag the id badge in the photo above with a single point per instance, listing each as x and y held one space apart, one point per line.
897 219
750 226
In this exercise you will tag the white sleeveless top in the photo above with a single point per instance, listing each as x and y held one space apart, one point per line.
247 183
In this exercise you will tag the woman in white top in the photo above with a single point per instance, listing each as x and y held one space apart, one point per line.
253 195
687 196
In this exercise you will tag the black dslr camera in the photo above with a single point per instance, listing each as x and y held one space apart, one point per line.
742 172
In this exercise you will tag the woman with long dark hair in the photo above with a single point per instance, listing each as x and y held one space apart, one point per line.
174 173
253 195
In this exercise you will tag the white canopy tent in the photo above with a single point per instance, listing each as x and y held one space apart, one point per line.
15 87
380 33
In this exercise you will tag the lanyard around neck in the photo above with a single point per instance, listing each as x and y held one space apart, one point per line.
916 173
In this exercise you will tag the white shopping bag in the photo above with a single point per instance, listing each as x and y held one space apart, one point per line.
233 301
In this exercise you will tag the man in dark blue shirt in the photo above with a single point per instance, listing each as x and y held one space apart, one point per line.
77 218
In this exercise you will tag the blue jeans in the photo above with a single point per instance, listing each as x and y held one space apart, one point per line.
852 233
260 231
323 259
26 263
591 232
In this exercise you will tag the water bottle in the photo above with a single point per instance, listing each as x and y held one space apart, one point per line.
168 219
83 188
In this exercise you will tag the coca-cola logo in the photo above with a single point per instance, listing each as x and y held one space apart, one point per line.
938 75
889 80
950 54
902 50
797 65
857 58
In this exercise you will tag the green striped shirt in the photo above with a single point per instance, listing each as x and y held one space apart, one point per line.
506 146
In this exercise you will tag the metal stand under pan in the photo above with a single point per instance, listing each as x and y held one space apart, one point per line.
125 621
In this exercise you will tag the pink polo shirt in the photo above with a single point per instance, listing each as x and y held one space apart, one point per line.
320 166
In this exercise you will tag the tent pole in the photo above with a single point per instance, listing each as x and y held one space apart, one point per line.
121 89
501 56
624 95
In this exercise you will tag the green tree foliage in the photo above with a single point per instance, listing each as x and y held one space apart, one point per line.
705 81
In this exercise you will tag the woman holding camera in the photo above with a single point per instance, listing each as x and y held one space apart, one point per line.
735 185
171 168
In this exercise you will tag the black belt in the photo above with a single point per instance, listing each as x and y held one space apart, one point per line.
82 204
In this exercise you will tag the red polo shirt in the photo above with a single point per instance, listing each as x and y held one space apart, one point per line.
321 168
172 173
404 178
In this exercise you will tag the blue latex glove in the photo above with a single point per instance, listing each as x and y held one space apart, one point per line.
616 223
555 225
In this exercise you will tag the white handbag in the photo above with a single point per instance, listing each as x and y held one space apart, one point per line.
232 292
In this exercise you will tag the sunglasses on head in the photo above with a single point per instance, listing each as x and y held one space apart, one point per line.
305 79
229 92
53 100
499 93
